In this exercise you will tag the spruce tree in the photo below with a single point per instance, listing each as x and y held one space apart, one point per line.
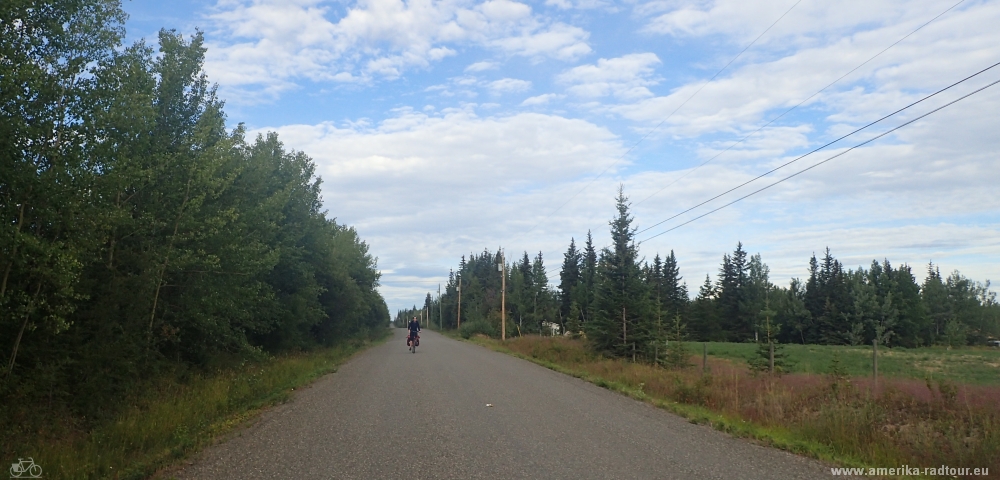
732 295
934 296
677 351
542 307
621 321
768 348
703 314
569 279
675 293
589 274
792 312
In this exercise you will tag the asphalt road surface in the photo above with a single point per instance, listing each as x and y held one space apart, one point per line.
388 413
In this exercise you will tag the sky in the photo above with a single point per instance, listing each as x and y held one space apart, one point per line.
443 127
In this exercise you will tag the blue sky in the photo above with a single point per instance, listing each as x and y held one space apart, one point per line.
443 127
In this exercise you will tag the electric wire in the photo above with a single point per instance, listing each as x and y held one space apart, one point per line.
823 161
786 112
617 161
783 114
636 144
758 177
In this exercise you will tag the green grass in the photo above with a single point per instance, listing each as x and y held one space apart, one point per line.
177 419
971 365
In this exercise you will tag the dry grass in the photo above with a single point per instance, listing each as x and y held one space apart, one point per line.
839 419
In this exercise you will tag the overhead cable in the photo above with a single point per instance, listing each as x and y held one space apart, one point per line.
786 112
636 144
758 177
823 161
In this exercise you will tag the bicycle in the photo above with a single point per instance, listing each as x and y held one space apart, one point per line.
413 341
22 467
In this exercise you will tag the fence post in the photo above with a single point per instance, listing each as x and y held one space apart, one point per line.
875 364
704 358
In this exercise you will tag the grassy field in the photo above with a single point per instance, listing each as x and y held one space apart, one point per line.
976 366
838 419
175 419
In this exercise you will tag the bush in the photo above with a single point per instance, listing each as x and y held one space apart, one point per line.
469 329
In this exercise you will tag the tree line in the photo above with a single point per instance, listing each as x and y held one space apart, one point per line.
627 305
140 235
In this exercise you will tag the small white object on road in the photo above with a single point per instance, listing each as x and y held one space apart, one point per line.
489 404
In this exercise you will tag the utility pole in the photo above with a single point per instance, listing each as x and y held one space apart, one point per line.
458 323
503 298
440 309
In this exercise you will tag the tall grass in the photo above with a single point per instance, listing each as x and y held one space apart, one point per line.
173 418
836 418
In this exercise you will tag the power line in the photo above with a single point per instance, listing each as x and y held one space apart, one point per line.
617 161
622 157
786 112
758 177
814 150
823 161
410 281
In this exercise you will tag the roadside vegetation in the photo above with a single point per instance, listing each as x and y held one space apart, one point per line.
965 365
176 415
789 365
159 271
629 305
832 415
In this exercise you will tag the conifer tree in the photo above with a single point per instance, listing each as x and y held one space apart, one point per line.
569 279
703 314
542 304
770 354
731 298
793 314
675 293
677 351
934 296
589 274
621 323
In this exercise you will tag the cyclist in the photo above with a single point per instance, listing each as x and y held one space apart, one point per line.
414 328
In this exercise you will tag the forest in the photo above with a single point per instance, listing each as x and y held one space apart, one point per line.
628 305
141 236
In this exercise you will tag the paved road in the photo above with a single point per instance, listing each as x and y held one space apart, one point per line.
391 414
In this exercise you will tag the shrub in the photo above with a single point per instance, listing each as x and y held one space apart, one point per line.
482 327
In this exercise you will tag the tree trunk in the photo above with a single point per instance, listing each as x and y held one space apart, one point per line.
770 354
166 260
17 343
13 254
624 329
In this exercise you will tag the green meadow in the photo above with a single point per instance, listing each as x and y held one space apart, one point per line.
971 365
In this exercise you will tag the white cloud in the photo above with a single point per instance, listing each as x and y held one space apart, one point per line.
577 4
741 98
560 41
424 188
456 151
806 23
482 66
624 77
272 43
454 181
540 99
509 85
